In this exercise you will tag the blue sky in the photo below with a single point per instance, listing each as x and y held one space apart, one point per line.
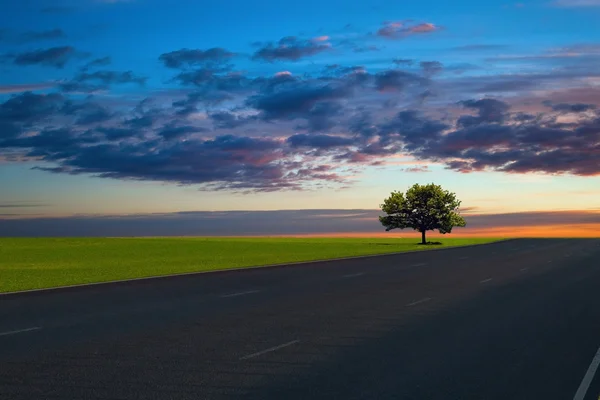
149 106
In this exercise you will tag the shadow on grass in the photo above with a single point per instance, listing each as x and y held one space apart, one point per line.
430 244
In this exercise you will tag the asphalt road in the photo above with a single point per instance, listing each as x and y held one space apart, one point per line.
518 319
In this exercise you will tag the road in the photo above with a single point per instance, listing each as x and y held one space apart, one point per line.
518 319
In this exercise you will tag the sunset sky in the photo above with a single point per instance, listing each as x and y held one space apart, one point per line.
164 110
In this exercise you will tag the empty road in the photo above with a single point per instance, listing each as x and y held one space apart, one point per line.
518 319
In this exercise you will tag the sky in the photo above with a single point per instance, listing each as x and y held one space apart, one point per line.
118 115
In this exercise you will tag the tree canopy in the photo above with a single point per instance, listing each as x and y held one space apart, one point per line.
423 208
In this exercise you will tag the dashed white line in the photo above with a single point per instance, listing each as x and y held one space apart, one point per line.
269 350
35 328
239 293
588 377
354 275
426 299
486 280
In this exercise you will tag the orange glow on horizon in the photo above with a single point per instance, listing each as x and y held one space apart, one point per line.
541 231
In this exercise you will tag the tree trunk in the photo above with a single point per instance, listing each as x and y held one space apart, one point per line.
423 241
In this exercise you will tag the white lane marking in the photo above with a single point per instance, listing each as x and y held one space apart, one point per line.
35 328
426 299
486 280
353 275
524 269
419 265
239 293
269 350
588 377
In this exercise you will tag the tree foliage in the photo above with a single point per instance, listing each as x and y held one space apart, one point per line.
423 208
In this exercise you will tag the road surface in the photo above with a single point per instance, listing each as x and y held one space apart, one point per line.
518 319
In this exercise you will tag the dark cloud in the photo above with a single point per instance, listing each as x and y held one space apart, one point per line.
573 108
228 120
263 223
116 133
291 49
488 110
94 114
171 131
320 117
56 57
144 121
98 62
296 101
213 80
431 68
110 77
403 29
397 80
29 108
195 57
403 61
514 85
318 141
81 87
34 36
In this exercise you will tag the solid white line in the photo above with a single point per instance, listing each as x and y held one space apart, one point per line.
353 275
20 331
260 353
426 299
239 293
486 280
588 377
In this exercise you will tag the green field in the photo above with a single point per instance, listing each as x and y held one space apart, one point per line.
50 262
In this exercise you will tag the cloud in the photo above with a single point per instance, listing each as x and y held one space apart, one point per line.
34 36
291 48
431 68
91 82
56 57
170 132
295 101
98 62
22 204
29 108
397 80
573 108
576 3
403 61
402 29
26 87
355 222
195 57
228 120
479 47
318 141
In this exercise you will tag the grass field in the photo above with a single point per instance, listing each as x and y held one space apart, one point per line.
49 262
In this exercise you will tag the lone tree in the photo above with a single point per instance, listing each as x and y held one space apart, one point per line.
423 208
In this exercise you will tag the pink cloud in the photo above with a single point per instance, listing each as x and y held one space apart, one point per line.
400 30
